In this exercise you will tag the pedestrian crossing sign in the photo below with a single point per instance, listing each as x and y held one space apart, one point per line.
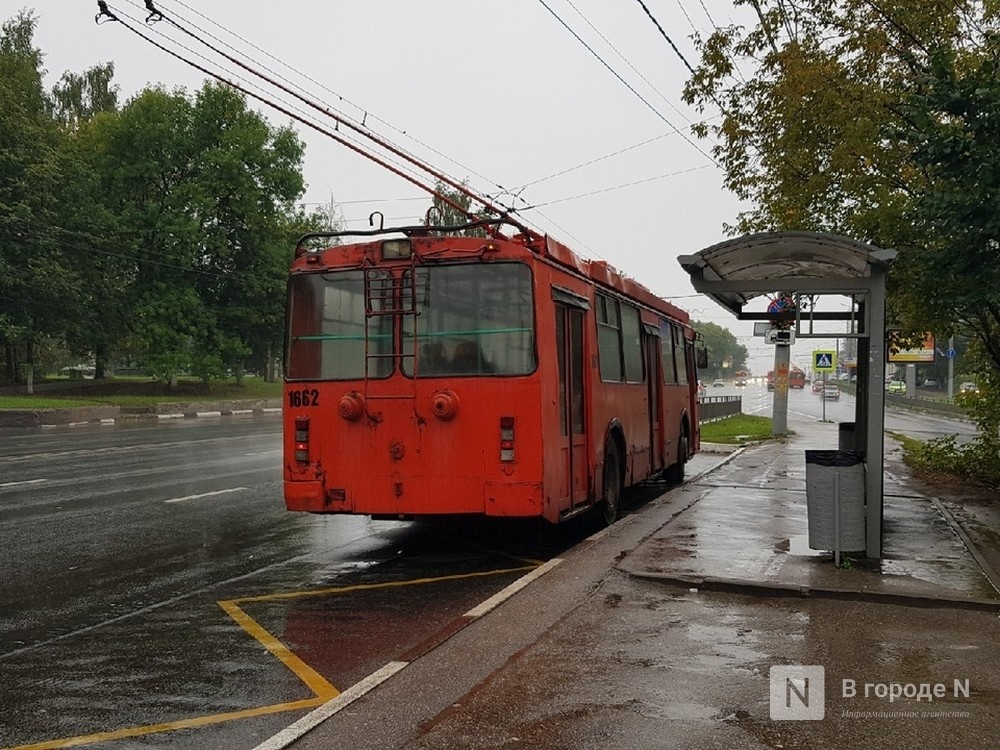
824 361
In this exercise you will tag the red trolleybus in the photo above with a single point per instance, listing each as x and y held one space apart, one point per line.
429 375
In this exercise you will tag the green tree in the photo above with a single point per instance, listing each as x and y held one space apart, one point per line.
34 280
203 189
443 211
876 121
77 98
725 354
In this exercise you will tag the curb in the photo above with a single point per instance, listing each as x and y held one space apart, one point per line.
765 589
109 415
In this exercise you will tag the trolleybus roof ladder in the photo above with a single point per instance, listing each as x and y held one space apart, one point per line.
393 294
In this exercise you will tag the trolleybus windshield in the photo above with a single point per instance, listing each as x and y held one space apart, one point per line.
471 319
326 329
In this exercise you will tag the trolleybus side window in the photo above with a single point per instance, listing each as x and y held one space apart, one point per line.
472 319
608 339
631 343
680 355
619 346
326 324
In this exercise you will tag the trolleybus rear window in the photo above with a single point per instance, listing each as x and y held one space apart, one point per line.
326 324
472 319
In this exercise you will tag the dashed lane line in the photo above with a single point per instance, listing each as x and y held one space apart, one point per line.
205 494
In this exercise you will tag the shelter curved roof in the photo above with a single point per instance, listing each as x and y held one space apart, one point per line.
735 271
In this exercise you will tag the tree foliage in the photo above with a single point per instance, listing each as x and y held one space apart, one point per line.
725 354
158 232
451 207
33 278
877 121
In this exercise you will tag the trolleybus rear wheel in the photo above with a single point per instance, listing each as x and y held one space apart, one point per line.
611 505
675 473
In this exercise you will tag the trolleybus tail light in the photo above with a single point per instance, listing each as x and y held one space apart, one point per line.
302 439
506 438
396 249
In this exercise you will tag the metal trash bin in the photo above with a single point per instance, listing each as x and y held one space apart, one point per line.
846 437
835 500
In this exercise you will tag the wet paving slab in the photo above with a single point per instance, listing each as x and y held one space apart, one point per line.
748 524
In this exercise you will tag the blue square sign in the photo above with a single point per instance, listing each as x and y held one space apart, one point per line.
824 361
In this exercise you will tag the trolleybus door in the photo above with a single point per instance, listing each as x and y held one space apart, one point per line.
651 345
573 451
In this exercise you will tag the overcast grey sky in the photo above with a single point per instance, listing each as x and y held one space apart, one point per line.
501 94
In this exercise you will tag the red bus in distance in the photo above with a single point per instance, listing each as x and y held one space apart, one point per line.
431 375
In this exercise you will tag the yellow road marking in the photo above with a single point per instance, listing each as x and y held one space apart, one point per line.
322 689
200 721
384 585
307 674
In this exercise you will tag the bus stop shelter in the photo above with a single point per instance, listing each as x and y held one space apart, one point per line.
806 267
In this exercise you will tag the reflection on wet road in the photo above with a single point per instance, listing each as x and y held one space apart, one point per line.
153 581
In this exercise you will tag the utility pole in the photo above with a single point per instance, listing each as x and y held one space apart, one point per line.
951 368
779 413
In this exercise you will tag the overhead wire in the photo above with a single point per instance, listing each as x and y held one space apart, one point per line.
483 199
627 85
619 187
624 59
341 120
673 46
664 34
510 210
367 113
285 109
339 117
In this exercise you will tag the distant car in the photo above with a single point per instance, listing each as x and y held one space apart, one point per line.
718 383
896 386
741 381
817 386
968 388
770 385
831 391
931 384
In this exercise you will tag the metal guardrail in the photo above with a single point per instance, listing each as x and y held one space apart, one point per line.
921 404
718 407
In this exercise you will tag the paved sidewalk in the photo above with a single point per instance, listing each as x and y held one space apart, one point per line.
662 633
749 531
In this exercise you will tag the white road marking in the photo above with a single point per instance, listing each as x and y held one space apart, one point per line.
25 481
204 494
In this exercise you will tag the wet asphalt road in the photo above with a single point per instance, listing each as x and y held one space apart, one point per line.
151 575
804 403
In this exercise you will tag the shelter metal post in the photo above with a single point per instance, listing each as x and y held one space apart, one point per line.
874 455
